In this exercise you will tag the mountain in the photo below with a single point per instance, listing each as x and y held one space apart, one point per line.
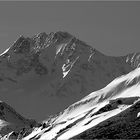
42 75
112 112
10 120
55 70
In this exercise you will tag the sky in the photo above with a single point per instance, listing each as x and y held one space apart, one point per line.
111 27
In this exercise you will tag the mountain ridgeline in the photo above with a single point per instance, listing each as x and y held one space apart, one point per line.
44 74
55 67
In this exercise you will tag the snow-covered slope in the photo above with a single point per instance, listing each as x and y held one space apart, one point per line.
124 125
10 120
122 95
55 68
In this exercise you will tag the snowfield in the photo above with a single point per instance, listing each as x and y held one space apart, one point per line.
90 111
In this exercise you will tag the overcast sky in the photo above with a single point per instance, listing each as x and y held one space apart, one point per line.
111 27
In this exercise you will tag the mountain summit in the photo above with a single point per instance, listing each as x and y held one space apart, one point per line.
55 68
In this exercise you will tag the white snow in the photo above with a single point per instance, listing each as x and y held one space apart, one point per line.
64 70
81 113
64 67
138 114
132 59
92 53
52 133
3 123
6 137
79 128
5 51
61 47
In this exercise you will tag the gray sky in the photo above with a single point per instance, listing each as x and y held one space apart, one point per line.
111 27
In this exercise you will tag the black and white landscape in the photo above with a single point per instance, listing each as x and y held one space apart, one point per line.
56 86
59 69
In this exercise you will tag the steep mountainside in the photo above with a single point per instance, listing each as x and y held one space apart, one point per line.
55 68
10 120
110 113
125 125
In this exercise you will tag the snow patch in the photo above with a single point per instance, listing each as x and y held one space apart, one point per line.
60 48
65 66
138 114
92 53
5 51
65 72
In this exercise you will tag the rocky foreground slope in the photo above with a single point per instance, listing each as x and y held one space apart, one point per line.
55 68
